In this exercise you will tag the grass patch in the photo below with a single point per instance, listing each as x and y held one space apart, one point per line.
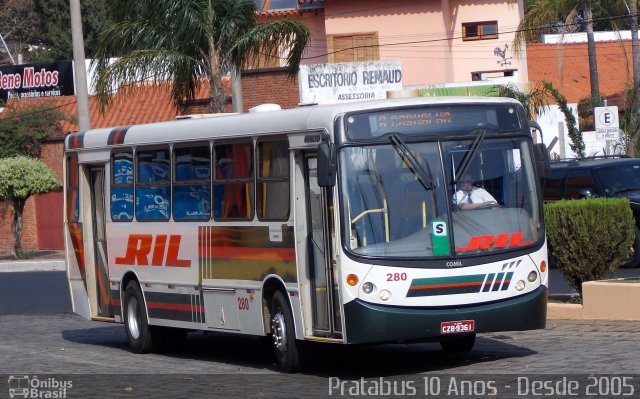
567 299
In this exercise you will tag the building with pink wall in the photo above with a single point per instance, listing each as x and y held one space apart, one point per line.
437 41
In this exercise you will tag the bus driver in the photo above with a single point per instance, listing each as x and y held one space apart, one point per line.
471 197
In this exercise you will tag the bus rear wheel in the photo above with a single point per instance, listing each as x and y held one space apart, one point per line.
135 320
461 344
283 337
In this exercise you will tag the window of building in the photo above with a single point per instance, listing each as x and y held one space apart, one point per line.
480 30
351 48
272 197
122 186
153 196
73 200
192 183
233 181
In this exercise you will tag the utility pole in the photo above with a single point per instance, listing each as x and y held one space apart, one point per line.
634 47
82 93
7 48
236 91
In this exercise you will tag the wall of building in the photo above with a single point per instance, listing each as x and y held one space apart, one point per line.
416 33
477 55
269 86
567 67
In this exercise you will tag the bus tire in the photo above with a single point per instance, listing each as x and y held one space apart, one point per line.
283 337
461 344
135 320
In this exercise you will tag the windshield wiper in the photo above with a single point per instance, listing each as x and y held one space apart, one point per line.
466 161
401 148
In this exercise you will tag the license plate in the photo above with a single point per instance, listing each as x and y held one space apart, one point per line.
457 327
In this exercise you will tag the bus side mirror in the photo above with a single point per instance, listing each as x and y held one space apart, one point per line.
326 165
543 161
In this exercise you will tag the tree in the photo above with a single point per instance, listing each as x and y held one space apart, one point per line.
534 100
545 14
186 41
575 135
18 24
54 37
23 131
20 178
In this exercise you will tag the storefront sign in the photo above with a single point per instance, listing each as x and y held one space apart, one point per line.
327 83
36 80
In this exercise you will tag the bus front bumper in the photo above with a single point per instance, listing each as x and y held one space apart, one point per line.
370 323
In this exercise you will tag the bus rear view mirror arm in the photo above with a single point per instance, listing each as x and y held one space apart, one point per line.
326 165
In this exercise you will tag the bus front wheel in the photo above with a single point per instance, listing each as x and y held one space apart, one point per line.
135 320
461 344
283 335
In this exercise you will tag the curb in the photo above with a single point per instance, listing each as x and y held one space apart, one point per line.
33 266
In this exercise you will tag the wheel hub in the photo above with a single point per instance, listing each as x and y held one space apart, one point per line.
132 318
278 332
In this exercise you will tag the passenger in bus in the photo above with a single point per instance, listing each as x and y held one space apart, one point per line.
471 197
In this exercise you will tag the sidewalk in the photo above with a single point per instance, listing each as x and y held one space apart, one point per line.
43 260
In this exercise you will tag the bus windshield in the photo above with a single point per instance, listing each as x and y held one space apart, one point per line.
406 199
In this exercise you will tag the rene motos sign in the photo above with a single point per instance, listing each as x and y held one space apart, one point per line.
36 80
322 83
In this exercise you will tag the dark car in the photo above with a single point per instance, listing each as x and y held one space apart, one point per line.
598 177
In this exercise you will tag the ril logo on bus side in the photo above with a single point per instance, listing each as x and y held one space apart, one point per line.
164 251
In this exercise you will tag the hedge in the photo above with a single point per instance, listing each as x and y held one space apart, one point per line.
590 238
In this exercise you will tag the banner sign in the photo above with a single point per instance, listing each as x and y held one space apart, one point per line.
37 80
338 82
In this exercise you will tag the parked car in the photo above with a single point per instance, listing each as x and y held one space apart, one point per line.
611 176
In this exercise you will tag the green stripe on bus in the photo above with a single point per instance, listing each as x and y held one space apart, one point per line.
446 285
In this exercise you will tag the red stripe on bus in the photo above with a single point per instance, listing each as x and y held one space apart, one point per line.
278 254
429 287
175 306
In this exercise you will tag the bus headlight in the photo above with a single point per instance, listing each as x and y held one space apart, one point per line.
368 287
533 276
384 295
520 285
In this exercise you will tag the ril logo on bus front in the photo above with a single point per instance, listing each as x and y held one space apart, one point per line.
143 250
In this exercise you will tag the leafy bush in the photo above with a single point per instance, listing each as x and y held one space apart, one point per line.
590 238
20 178
22 131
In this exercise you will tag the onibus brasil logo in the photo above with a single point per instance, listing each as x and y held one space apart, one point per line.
34 387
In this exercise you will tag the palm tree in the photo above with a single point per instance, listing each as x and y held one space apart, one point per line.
545 13
187 41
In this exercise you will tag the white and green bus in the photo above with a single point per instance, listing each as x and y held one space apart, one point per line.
334 223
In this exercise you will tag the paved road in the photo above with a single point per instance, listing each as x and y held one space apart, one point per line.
29 293
40 338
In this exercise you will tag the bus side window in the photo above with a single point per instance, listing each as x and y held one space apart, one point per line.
233 181
192 186
122 186
272 197
73 199
153 199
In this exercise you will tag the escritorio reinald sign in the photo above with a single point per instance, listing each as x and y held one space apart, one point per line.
347 81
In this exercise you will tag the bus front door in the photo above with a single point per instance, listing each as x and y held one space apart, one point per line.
101 270
321 261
